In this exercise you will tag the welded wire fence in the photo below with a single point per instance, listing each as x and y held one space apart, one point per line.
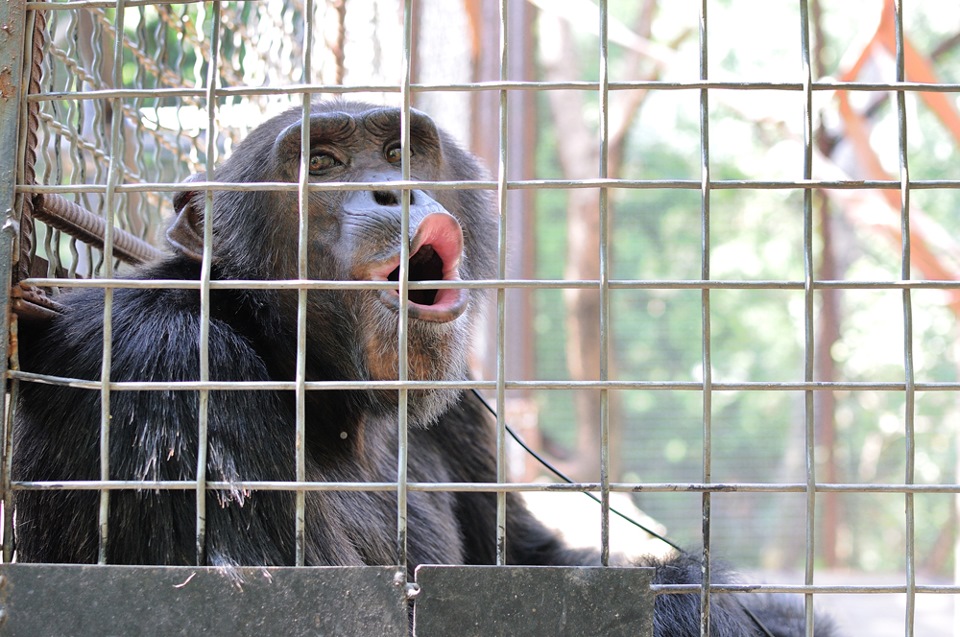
112 124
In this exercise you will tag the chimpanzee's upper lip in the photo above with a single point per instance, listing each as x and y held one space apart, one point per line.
435 253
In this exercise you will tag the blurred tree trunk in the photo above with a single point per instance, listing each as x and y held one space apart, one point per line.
578 148
484 19
825 403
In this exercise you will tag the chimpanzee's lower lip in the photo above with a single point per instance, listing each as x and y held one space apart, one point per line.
448 305
436 249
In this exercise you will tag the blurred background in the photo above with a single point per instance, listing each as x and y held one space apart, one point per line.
755 236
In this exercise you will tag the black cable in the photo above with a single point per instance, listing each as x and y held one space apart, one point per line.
756 620
568 480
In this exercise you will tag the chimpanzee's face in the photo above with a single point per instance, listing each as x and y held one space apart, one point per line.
356 235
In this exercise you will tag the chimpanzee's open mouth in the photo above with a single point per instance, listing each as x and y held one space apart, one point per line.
435 252
425 265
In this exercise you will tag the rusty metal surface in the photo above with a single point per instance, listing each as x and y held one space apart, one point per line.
89 227
101 601
30 122
507 601
32 303
12 19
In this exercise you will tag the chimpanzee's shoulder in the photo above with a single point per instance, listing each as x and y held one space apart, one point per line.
155 332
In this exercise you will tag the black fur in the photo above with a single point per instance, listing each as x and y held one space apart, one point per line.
351 435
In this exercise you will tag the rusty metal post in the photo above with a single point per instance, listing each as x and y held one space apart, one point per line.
13 25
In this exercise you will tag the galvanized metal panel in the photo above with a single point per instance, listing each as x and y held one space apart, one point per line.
12 38
488 601
125 601
12 17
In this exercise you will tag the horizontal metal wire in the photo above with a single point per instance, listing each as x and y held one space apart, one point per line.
836 589
485 487
493 284
488 385
649 85
66 5
527 184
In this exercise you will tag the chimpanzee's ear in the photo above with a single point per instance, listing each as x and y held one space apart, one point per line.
185 234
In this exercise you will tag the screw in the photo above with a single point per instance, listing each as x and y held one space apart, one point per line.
412 589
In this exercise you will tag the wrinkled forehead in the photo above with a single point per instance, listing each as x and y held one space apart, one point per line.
350 128
374 122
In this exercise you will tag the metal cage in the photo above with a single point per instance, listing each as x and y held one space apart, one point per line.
109 117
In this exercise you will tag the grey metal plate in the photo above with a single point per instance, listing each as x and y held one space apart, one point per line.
126 601
533 601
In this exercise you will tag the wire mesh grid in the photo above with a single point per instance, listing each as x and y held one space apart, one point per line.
174 123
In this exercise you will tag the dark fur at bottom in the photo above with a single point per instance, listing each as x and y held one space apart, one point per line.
251 438
731 614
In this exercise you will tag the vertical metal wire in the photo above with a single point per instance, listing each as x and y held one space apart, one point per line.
114 174
98 123
404 286
204 394
501 295
154 213
75 115
604 293
25 22
8 419
303 274
705 318
54 168
808 323
908 370
176 62
135 217
78 172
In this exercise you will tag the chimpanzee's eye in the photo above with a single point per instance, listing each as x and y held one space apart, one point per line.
393 153
321 162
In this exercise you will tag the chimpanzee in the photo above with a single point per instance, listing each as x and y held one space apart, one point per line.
350 335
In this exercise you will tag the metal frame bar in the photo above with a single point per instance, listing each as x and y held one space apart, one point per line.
514 85
303 201
484 384
502 242
615 284
527 184
604 318
908 369
404 287
205 271
809 270
706 360
113 178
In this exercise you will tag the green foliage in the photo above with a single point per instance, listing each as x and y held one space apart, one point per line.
757 335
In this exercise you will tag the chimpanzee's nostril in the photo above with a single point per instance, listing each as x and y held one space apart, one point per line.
392 197
386 197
